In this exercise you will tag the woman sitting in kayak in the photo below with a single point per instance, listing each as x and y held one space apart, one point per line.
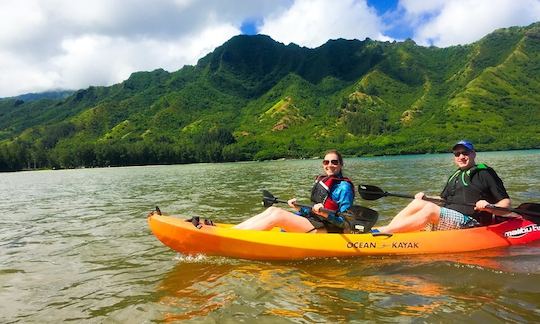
331 192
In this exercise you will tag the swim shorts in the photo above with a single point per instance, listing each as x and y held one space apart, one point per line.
450 219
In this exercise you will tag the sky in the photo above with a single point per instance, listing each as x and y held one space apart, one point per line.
65 44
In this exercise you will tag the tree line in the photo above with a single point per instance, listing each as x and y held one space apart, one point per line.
215 145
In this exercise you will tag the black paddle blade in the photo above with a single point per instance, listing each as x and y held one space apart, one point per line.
530 211
268 198
530 207
267 203
368 192
363 213
360 219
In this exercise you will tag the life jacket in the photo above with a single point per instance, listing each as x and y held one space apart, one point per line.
462 190
322 190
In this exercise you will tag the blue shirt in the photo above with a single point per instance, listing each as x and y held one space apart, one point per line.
342 194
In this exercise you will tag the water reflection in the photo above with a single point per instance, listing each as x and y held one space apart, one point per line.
393 288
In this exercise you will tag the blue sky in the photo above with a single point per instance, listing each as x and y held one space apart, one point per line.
383 6
389 10
65 44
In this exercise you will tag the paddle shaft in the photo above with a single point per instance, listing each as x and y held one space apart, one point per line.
328 211
490 206
354 213
437 200
515 210
412 197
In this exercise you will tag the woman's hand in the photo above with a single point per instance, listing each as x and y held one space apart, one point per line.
292 203
317 210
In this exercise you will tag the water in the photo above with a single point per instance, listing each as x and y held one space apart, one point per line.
75 246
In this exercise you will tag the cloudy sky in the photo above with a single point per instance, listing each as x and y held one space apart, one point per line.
67 44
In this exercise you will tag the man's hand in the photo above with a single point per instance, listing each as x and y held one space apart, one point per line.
419 195
481 205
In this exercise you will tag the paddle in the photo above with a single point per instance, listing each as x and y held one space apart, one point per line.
358 219
369 192
373 193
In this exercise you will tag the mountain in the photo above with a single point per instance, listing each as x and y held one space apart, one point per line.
255 98
59 94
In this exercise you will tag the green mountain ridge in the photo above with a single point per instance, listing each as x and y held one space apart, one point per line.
55 94
254 98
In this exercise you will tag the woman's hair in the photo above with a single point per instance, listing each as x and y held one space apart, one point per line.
340 158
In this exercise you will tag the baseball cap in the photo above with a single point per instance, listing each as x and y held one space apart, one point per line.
468 145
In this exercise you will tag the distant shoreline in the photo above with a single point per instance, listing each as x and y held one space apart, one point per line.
257 161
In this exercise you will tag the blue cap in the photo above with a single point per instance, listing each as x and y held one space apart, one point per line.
468 145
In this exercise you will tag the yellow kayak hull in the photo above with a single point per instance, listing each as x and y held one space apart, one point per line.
223 240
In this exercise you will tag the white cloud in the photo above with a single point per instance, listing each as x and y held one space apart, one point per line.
417 8
18 75
50 44
452 22
313 22
112 59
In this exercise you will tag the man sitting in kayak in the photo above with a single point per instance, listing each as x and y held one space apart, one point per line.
467 194
331 192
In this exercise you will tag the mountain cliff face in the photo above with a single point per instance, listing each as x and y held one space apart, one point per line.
254 98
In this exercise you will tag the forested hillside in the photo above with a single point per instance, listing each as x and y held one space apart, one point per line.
253 98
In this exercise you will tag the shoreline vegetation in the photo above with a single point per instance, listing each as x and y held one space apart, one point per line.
253 98
250 161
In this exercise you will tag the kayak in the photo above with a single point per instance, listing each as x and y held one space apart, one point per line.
223 240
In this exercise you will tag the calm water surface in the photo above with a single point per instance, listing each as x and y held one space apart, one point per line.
75 246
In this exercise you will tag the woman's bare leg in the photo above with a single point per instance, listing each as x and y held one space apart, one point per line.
250 222
276 217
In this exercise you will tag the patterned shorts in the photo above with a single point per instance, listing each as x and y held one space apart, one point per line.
450 219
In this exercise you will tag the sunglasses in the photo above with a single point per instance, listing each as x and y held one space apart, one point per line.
466 153
334 162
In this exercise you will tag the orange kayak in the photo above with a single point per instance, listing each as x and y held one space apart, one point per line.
222 240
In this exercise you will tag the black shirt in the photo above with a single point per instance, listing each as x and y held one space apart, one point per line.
466 187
